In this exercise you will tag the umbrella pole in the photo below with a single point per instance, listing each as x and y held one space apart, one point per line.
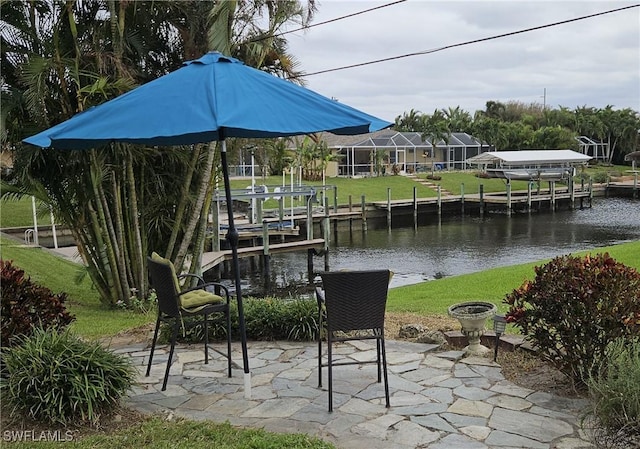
232 238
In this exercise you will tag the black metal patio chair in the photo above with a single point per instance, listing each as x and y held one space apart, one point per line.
175 304
353 304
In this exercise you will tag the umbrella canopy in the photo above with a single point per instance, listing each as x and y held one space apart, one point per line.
209 99
206 100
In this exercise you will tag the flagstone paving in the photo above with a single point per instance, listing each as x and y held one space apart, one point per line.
438 399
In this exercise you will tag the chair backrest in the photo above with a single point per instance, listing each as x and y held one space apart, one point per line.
355 300
165 282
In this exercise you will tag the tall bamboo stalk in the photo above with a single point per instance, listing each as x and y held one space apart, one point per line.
197 208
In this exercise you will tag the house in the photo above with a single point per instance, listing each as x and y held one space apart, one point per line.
389 151
597 150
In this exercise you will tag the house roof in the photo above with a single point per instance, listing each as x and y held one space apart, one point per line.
393 139
464 139
529 157
389 138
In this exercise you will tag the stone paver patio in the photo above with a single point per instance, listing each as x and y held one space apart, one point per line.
438 399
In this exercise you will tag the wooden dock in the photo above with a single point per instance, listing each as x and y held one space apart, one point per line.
509 200
211 259
530 199
624 186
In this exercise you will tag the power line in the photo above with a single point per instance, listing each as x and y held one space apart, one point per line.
304 28
460 44
342 17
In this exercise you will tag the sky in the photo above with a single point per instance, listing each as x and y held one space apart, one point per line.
593 62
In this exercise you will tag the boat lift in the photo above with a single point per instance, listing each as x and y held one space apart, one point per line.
276 221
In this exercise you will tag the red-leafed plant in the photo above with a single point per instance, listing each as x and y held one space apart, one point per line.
574 308
26 305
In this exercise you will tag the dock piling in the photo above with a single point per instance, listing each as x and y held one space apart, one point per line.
415 206
389 207
364 214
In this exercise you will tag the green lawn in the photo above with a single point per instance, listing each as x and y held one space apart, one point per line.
374 189
434 297
156 433
426 298
93 320
19 213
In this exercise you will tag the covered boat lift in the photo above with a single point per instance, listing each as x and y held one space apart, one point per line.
530 165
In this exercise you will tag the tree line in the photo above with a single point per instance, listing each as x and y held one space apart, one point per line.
518 126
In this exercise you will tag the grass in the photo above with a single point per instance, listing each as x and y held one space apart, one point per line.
434 297
453 181
93 319
427 298
159 434
375 188
19 213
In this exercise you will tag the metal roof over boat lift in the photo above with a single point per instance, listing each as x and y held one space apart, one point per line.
530 158
548 165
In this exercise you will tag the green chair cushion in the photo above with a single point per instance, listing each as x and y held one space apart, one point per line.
158 258
194 298
197 298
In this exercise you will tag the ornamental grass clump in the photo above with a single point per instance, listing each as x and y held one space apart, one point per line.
614 392
574 308
55 377
266 319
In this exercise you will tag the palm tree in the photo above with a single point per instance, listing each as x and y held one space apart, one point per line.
409 121
60 58
434 128
621 128
235 30
459 120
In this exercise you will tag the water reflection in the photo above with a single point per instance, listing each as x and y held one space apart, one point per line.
456 245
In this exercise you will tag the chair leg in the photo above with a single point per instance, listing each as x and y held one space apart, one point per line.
173 346
320 350
229 341
330 371
206 339
153 345
379 367
386 378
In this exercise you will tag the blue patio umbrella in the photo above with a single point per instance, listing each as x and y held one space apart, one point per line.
209 99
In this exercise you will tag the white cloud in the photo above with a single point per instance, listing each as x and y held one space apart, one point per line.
593 62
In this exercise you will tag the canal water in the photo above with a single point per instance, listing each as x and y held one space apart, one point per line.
454 244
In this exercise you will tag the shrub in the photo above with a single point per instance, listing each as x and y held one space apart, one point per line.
614 391
57 377
300 318
26 305
574 308
265 319
600 177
